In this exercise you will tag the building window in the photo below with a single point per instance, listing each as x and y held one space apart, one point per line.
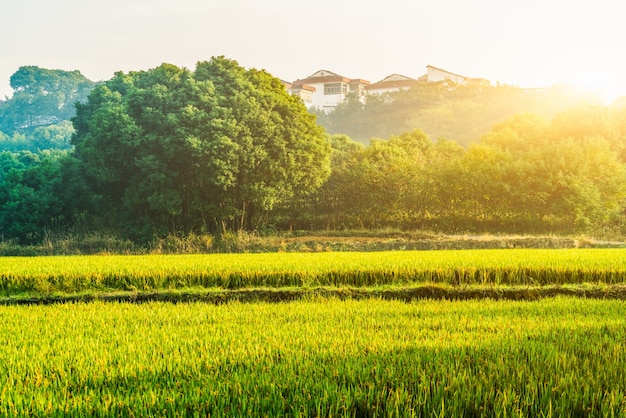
357 89
306 96
332 88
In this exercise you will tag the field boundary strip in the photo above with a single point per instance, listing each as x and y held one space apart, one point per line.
407 294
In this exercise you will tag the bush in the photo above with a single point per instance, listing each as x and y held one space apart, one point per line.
190 244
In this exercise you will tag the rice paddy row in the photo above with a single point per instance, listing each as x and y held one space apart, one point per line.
75 274
557 357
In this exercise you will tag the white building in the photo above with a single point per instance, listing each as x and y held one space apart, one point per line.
391 83
325 89
435 74
303 91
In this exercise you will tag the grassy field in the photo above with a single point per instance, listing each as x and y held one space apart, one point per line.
361 335
324 357
523 267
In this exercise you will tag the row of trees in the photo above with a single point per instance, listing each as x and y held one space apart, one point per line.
529 174
170 151
459 112
175 151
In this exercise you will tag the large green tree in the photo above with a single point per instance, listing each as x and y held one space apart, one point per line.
388 183
530 173
218 148
34 196
41 97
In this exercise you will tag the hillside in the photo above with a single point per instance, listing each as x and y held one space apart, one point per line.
461 113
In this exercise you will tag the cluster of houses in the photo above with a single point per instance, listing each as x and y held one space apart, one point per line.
325 89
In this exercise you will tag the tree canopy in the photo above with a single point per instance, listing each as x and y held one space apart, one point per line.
217 148
41 97
528 174
461 113
224 148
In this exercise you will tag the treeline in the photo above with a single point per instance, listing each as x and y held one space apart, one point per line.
528 175
462 113
171 151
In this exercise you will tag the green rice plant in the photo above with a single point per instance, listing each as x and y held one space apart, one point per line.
322 357
233 271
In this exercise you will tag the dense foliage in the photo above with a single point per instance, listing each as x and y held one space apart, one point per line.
42 97
37 184
172 151
37 116
462 113
558 357
529 174
42 138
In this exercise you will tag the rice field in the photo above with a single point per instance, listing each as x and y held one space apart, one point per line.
323 357
316 355
524 267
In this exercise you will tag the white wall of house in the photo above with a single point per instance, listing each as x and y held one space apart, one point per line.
305 94
437 74
389 88
329 94
330 89
382 90
390 84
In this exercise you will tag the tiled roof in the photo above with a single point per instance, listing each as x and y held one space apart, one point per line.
391 84
297 86
323 79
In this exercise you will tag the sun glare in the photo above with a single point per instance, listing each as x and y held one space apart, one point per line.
606 86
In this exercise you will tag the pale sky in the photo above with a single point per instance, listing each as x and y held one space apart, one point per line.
529 43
